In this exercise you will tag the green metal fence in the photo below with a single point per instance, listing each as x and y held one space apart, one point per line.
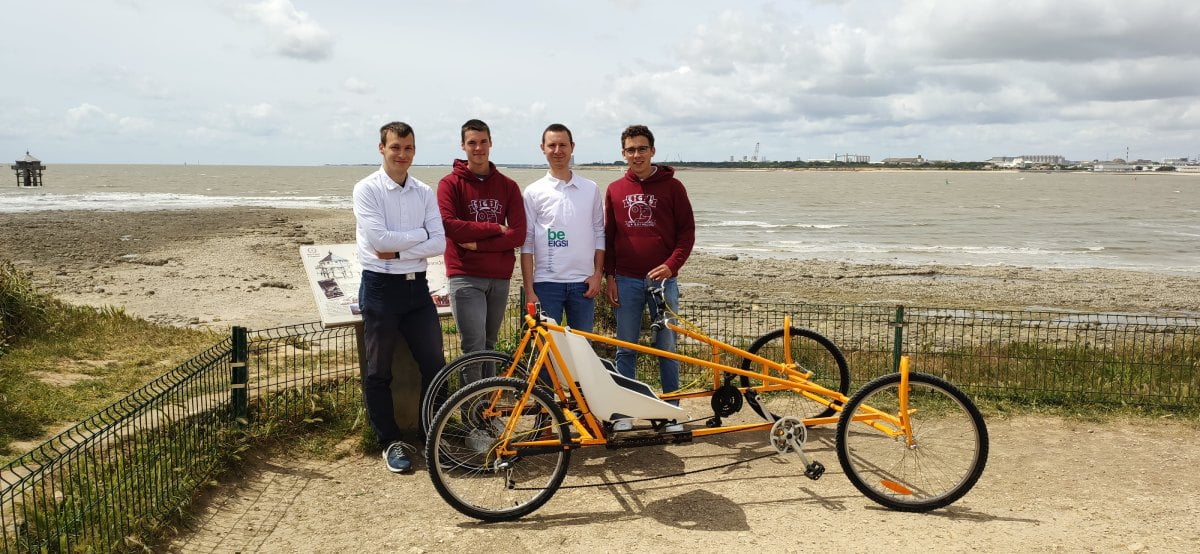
121 474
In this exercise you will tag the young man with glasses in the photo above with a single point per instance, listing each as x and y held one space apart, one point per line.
484 218
398 226
649 231
562 260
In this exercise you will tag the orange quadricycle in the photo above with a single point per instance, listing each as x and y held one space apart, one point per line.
501 428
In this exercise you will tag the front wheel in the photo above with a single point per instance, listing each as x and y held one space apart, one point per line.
463 449
942 461
810 351
460 372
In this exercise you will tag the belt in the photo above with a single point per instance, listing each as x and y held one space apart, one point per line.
406 276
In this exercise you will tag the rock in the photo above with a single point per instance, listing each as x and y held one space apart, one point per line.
98 290
730 257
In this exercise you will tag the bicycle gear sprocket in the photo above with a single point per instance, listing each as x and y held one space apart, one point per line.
726 401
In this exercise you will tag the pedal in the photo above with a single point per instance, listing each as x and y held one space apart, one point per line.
788 435
814 470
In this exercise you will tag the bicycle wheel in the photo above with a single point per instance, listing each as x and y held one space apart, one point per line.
946 458
463 443
462 371
812 352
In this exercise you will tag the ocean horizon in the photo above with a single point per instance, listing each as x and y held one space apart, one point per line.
1142 222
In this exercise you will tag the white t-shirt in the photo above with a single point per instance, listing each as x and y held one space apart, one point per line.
564 227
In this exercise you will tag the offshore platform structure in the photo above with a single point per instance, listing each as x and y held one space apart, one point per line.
29 171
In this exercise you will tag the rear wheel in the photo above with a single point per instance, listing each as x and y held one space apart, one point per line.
811 352
947 454
460 372
465 438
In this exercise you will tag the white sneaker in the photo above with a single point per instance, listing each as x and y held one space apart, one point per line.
623 425
673 428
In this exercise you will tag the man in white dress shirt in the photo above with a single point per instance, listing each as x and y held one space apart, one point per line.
398 226
562 260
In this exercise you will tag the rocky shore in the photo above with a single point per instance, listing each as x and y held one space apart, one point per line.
240 266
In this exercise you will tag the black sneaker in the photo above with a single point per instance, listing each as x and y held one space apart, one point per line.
396 460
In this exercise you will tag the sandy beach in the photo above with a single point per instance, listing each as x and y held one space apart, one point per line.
240 266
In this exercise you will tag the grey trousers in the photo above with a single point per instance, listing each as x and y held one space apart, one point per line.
478 305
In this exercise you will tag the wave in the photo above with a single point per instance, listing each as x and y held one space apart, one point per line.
135 202
765 225
784 246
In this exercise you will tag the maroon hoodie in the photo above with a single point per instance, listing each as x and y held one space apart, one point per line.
472 211
646 224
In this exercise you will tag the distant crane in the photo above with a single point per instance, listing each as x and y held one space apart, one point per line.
754 158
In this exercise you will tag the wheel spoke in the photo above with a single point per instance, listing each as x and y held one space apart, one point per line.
945 460
466 456
811 352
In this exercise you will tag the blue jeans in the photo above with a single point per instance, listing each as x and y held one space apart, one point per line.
633 293
559 297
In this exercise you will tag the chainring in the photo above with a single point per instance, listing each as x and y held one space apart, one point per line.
726 401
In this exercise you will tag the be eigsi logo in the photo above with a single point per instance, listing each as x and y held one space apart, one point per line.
556 239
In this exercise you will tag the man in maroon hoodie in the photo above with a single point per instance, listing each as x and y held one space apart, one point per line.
484 218
648 233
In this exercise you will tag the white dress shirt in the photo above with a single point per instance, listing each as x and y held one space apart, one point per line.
393 218
564 227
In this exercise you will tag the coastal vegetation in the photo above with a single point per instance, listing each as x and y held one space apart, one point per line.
60 362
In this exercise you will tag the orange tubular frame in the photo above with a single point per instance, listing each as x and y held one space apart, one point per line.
590 430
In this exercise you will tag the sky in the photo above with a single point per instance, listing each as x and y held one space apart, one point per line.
309 82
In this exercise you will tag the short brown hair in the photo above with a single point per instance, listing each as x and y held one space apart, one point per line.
558 128
401 129
474 125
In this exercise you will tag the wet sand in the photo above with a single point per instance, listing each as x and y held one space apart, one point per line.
240 266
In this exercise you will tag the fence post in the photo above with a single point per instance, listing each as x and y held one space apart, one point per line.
898 345
238 395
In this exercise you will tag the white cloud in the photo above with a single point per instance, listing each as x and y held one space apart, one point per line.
498 115
292 32
127 80
90 119
356 86
241 122
916 65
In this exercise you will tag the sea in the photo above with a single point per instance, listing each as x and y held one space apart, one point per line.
1135 221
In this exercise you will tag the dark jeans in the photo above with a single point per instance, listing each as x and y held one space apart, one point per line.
395 308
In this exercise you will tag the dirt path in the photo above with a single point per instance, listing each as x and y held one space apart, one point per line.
1050 484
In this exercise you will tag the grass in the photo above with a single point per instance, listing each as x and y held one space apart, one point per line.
133 492
60 363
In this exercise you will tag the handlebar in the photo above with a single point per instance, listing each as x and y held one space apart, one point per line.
659 294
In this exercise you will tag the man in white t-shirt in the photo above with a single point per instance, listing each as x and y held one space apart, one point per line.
562 260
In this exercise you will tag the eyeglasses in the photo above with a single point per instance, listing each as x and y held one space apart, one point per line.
637 150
